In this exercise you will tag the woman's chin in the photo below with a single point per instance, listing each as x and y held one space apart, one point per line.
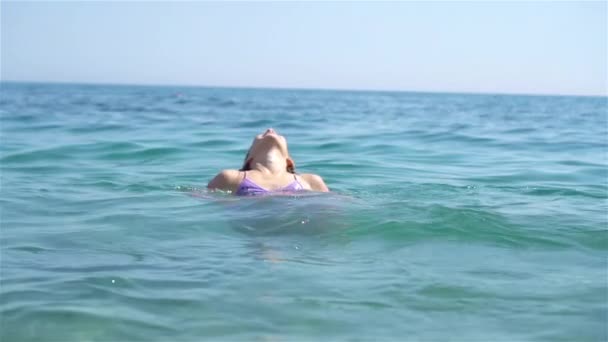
268 142
279 140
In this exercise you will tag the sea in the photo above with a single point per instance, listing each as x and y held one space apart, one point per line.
451 217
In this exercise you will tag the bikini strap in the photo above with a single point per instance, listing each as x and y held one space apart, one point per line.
296 179
244 175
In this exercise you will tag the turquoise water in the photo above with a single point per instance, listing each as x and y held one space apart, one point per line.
452 217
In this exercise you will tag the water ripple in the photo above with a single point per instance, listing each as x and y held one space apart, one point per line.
481 214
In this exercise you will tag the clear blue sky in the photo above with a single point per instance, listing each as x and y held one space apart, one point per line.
504 47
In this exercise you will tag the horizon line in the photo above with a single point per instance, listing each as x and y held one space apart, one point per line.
465 92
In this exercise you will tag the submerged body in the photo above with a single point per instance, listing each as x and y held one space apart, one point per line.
267 169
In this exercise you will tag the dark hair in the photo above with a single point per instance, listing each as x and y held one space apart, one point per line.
246 166
291 169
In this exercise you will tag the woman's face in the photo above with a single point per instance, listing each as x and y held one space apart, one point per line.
266 141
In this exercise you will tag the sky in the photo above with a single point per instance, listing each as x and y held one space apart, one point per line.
479 47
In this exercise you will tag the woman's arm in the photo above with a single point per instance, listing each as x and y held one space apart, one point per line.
316 182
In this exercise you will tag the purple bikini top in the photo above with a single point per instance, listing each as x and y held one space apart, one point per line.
250 188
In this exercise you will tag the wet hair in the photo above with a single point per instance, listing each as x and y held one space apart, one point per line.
247 165
291 169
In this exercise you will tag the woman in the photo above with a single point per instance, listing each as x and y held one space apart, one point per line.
267 169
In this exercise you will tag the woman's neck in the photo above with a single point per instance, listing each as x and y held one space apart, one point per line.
272 162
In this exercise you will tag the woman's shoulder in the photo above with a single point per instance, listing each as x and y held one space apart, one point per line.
225 180
316 182
230 173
